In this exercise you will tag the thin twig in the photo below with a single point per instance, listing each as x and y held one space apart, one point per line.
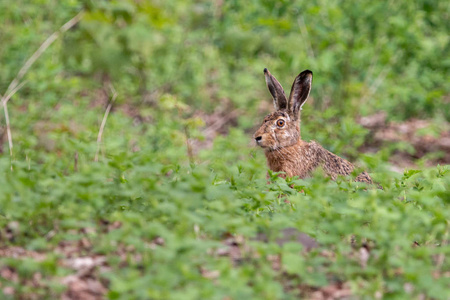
105 116
188 144
221 122
379 80
305 35
75 161
14 86
306 38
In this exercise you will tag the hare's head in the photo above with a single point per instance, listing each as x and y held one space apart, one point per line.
282 127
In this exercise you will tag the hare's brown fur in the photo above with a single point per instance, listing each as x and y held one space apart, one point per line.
280 136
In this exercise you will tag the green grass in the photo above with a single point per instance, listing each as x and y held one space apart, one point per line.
158 219
194 208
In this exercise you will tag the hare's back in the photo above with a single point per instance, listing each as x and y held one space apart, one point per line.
334 165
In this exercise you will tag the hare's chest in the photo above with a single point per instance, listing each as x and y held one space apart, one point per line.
293 163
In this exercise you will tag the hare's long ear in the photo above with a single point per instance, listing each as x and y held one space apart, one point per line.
300 91
275 88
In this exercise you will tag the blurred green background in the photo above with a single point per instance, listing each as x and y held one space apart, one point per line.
208 56
187 82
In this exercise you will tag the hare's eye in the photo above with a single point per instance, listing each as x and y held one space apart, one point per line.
280 123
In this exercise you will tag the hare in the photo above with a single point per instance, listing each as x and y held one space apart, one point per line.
279 135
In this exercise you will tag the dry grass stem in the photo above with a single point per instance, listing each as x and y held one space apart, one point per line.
41 50
105 117
15 85
9 96
8 131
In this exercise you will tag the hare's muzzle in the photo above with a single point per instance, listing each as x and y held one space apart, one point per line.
260 137
258 140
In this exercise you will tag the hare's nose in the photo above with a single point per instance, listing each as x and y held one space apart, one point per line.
258 138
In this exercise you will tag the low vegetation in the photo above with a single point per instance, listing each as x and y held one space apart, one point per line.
171 199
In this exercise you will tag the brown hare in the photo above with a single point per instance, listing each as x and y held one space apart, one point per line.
279 135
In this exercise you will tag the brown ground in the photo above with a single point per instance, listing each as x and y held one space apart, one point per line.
425 139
